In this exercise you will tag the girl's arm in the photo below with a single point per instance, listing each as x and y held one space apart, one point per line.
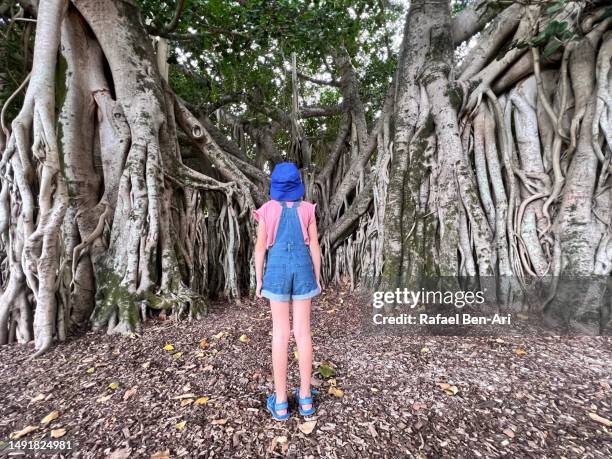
315 250
260 253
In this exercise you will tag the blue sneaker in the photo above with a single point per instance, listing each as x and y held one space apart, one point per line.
274 407
306 401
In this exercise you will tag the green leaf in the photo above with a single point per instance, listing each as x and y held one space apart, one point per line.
326 370
555 28
551 10
552 48
539 39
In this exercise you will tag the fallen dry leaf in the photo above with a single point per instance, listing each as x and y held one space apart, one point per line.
202 401
58 433
200 355
181 425
91 370
123 453
22 432
168 347
186 401
38 398
450 390
244 339
307 427
52 416
177 355
189 395
424 350
280 440
130 392
416 406
106 398
333 390
218 422
203 343
597 418
113 386
220 335
520 352
161 455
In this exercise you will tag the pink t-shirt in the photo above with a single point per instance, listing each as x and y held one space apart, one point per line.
271 212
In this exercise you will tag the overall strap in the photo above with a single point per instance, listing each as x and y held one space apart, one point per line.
289 228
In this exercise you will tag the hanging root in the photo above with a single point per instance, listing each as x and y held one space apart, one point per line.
107 249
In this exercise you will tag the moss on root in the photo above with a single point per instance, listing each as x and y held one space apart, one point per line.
455 95
112 296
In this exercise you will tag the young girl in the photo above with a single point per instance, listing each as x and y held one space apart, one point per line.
288 231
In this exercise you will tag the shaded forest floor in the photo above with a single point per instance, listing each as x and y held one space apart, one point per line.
119 397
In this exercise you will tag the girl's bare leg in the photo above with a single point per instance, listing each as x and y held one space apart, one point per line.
280 343
303 339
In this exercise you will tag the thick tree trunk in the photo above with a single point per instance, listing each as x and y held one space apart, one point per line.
430 165
499 184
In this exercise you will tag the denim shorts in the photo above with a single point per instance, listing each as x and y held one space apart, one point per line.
289 273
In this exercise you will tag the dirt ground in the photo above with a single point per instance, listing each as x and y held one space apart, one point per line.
394 396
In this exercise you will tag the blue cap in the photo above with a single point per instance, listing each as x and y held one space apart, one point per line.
286 183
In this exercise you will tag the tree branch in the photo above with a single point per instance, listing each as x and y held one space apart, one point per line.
195 36
303 76
315 111
472 19
221 160
171 26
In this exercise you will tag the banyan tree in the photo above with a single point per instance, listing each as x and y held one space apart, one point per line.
138 137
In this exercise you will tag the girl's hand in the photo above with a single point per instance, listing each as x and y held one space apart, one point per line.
258 289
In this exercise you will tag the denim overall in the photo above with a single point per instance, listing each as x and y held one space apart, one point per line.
289 271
